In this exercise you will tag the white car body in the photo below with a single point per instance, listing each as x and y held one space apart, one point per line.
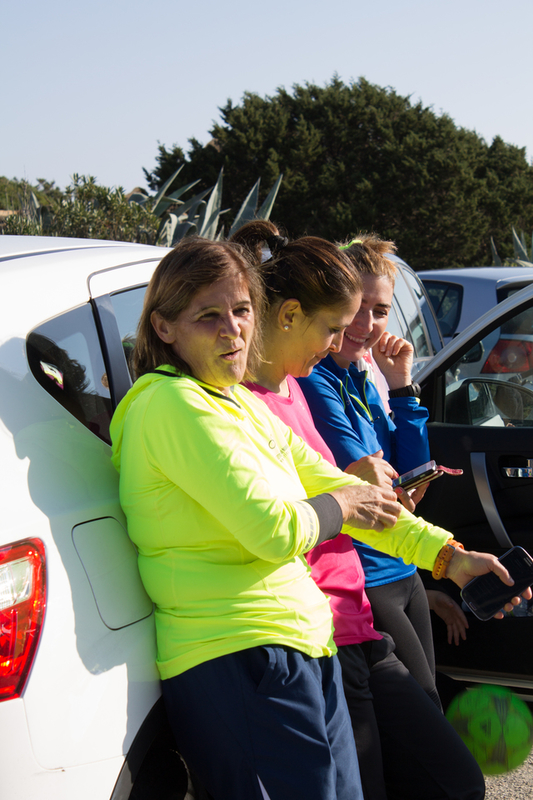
93 681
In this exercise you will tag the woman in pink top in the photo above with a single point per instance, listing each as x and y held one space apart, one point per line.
405 745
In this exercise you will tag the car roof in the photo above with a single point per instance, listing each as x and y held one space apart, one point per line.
44 276
13 246
475 275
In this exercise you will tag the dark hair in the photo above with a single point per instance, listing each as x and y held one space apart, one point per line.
368 253
309 269
179 276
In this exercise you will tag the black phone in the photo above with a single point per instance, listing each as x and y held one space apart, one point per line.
416 477
486 594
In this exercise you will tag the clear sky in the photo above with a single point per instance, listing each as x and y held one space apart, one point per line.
93 87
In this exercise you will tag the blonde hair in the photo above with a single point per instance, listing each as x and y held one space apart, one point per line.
368 253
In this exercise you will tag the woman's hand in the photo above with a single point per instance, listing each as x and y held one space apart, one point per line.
411 498
368 507
394 357
466 564
373 469
449 611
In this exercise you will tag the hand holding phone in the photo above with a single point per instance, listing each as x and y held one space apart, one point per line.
485 595
422 474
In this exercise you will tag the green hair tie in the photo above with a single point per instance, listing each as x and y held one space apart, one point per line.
346 246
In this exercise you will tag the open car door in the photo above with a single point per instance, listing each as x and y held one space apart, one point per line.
479 392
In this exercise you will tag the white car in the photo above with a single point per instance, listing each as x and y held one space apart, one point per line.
80 701
460 296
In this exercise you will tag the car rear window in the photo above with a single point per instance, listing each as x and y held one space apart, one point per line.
447 300
503 292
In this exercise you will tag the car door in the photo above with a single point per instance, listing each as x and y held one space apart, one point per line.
479 392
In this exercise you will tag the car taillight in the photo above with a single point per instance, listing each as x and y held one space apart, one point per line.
22 604
509 355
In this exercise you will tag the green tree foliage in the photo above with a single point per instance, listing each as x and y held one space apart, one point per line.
85 210
90 211
360 157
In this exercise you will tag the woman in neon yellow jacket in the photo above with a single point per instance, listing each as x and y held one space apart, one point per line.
222 501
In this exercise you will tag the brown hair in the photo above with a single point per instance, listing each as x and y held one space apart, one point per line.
179 276
368 254
309 269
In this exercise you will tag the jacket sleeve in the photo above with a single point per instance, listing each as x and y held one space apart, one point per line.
411 445
327 408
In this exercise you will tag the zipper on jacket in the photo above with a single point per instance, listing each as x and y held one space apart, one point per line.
364 407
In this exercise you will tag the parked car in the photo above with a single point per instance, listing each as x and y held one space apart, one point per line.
412 315
479 392
80 703
460 296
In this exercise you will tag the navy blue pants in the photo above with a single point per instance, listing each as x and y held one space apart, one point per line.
267 723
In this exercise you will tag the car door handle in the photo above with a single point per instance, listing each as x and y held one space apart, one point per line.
519 472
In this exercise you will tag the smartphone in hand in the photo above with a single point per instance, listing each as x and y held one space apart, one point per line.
486 594
416 477
422 474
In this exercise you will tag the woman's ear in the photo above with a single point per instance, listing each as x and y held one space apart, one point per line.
287 313
164 329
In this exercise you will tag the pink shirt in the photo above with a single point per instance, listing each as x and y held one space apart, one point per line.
335 565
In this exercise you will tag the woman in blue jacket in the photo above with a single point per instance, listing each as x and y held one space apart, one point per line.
356 421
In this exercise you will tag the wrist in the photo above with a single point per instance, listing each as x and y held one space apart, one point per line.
443 567
407 390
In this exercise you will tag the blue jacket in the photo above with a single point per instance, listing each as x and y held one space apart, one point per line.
349 414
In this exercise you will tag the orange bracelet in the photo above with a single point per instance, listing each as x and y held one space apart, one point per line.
444 557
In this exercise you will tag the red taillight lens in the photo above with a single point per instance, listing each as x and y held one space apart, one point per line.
509 355
22 604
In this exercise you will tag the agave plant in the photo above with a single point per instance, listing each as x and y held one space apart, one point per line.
202 213
522 256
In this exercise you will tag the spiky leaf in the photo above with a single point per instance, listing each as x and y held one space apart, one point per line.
177 194
496 260
266 209
520 249
137 197
156 209
248 208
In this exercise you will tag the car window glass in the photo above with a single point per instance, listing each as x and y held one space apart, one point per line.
447 301
415 285
492 383
66 360
411 324
393 324
127 307
503 292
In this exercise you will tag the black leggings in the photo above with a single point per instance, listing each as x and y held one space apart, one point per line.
406 747
401 609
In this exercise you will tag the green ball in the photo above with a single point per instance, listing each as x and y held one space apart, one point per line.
495 725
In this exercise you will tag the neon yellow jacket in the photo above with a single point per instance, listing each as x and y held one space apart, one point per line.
213 490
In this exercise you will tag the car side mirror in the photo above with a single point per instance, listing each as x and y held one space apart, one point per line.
482 401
